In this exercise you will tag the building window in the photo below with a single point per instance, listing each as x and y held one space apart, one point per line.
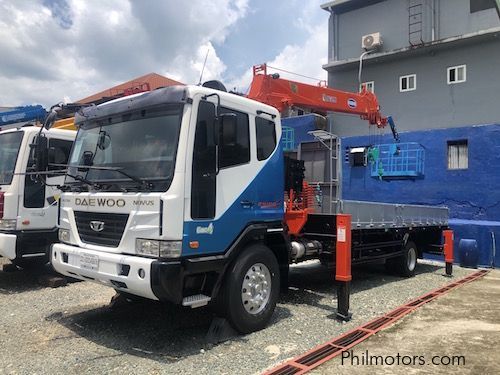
408 83
479 5
370 86
457 74
458 154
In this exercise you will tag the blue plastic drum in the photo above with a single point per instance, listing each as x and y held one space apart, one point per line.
468 253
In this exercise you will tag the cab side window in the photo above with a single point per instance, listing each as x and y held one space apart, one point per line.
59 153
234 147
34 189
266 137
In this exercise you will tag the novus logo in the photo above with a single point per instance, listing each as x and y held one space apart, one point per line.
205 230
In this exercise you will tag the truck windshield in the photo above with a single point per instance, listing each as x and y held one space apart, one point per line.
9 149
127 148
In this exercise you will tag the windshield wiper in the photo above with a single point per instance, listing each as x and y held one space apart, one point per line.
92 184
143 183
82 179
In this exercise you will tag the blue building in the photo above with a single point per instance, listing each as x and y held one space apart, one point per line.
471 191
433 66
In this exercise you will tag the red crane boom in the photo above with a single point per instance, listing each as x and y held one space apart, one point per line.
281 94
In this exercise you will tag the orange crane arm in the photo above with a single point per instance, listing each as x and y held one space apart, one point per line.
281 94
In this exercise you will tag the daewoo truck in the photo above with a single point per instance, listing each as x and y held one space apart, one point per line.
182 195
28 204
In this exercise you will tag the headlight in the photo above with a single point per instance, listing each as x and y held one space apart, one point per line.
8 224
158 249
64 235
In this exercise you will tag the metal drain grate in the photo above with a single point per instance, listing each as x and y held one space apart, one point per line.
398 312
414 303
377 323
287 370
350 338
318 355
333 348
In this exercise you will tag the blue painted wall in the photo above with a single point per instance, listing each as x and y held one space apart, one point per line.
301 125
472 195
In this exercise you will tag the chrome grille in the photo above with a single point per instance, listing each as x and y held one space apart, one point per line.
112 232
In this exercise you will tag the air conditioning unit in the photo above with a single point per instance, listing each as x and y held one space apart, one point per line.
371 41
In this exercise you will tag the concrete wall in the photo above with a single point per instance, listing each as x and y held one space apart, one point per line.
440 19
353 25
455 18
434 104
472 195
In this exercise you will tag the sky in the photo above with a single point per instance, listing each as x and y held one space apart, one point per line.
65 50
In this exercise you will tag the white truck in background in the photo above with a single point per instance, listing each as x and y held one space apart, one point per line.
28 204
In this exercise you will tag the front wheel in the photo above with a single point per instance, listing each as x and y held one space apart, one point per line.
36 263
251 289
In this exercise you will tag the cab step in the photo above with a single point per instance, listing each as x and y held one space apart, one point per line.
195 301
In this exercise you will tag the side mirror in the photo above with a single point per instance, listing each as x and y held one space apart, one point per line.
50 119
41 154
88 158
104 140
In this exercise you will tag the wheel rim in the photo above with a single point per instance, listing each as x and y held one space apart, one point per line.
412 259
256 288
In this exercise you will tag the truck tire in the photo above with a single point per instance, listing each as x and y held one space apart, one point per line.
406 264
31 263
251 289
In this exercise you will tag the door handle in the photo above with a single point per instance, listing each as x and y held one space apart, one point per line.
246 204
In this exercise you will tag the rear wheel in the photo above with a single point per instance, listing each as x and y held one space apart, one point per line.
406 264
251 289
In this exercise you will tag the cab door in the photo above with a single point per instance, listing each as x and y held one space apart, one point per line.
223 196
39 200
236 193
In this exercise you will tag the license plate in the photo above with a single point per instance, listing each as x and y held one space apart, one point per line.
89 261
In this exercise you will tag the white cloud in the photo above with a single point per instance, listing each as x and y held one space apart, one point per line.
306 59
55 50
73 48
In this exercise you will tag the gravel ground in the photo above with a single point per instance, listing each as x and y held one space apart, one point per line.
72 329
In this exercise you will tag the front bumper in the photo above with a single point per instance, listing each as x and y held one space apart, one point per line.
159 280
26 243
131 274
8 245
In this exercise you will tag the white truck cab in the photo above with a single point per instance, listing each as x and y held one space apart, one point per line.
28 208
170 186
